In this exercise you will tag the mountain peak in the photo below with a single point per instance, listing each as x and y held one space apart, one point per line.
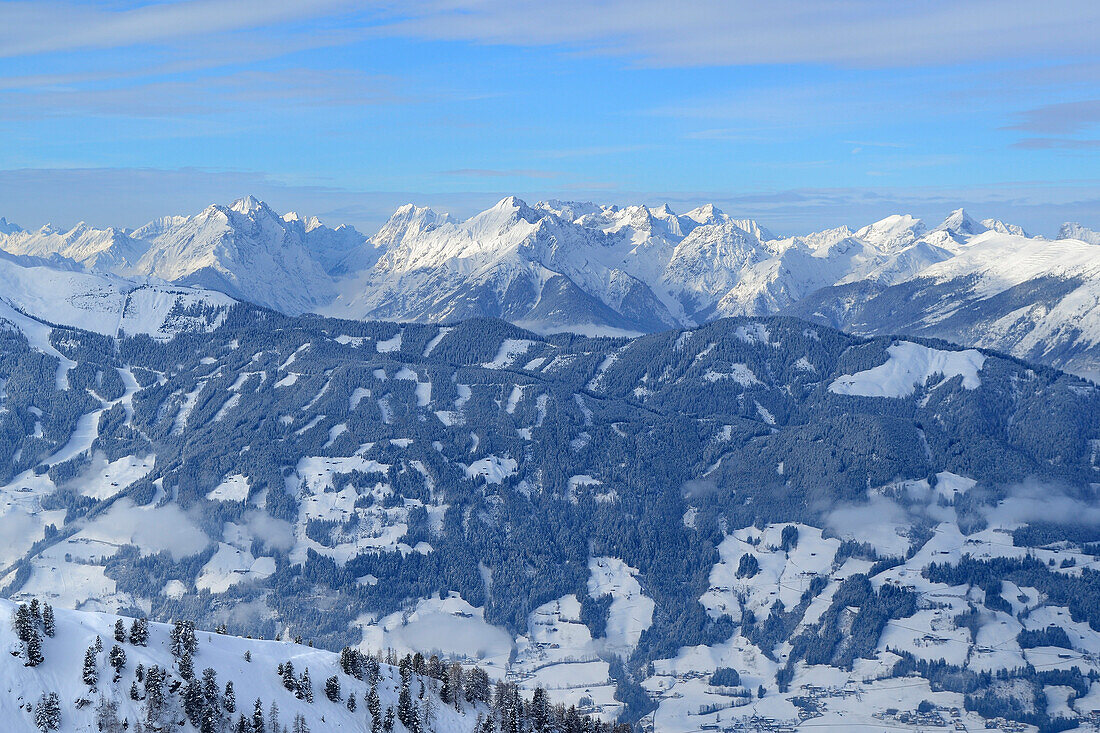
1073 230
996 225
706 214
9 227
248 205
959 222
893 232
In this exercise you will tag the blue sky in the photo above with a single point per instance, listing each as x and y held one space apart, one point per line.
802 113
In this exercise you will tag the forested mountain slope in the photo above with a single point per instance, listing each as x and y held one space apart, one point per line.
566 511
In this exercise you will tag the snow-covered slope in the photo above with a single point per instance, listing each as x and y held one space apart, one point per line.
105 304
1033 298
232 678
98 250
245 250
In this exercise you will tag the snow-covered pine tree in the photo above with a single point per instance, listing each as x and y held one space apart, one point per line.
22 622
154 693
186 666
351 701
210 691
286 671
120 632
34 649
477 686
139 632
374 707
305 684
406 711
258 717
229 699
117 658
332 688
47 713
193 703
91 670
49 627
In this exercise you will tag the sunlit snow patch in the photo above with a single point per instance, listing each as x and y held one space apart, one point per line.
911 365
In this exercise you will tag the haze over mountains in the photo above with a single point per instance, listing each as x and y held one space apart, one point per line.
570 266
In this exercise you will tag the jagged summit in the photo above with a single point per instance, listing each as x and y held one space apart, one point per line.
959 222
248 205
558 264
1073 230
8 227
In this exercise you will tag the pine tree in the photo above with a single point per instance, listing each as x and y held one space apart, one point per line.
306 686
139 632
210 721
374 707
98 644
120 632
300 725
446 693
229 700
210 687
34 649
477 686
139 672
91 672
186 666
387 724
154 693
134 694
242 724
117 658
273 717
540 711
193 702
406 711
48 626
427 715
23 622
286 670
36 611
47 713
332 688
454 678
258 717
351 701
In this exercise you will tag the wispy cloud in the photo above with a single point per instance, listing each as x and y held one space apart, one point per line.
701 33
202 94
40 27
490 173
1064 118
1056 143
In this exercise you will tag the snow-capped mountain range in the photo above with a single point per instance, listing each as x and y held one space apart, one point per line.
571 266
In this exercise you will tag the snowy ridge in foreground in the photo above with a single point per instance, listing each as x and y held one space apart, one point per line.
255 673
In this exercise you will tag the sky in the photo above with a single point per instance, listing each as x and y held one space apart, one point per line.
804 114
